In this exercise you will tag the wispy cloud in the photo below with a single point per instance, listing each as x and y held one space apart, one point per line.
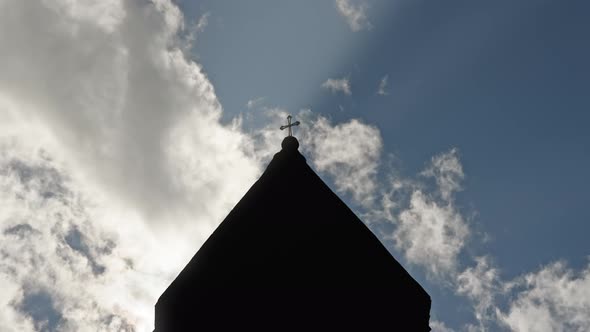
91 279
252 103
555 298
355 13
438 326
337 85
431 232
482 285
203 22
349 152
447 171
194 30
382 89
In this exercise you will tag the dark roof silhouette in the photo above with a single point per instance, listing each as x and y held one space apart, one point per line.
292 256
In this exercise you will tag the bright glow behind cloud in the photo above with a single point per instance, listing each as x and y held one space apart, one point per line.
109 134
120 96
64 267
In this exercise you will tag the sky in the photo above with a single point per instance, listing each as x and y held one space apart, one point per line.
456 130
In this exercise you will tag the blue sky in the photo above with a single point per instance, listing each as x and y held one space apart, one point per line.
457 130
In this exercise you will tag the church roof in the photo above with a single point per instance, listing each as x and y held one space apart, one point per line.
291 250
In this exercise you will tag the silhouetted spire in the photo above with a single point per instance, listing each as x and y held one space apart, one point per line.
292 256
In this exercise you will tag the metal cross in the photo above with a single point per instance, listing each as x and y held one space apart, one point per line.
289 125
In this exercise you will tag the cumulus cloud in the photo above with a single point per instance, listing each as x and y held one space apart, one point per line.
382 89
349 152
337 85
117 91
355 13
431 232
63 268
111 141
482 285
555 298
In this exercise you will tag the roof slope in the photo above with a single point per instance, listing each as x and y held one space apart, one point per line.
292 253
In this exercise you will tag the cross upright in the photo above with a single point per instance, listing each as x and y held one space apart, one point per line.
289 125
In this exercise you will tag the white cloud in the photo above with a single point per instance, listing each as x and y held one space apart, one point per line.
337 85
431 232
203 22
383 86
553 299
349 152
194 30
446 169
114 166
438 326
92 279
355 14
481 284
117 98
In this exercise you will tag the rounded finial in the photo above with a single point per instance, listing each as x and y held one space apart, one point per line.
290 143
